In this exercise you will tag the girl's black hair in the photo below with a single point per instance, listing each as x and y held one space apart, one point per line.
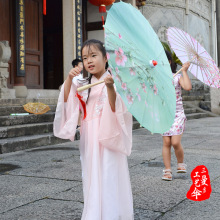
173 65
98 44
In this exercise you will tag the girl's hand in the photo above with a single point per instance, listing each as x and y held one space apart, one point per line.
68 82
74 72
109 81
186 66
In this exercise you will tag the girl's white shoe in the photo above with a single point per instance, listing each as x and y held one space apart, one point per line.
167 175
181 168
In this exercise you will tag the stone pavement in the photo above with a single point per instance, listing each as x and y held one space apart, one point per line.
45 183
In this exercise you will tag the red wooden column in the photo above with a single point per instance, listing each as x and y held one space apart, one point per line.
44 7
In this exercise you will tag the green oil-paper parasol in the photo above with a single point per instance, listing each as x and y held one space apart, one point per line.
140 68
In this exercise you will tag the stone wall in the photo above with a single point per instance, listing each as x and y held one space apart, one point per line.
192 16
215 100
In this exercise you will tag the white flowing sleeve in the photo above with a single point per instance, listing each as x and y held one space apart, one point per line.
115 131
66 116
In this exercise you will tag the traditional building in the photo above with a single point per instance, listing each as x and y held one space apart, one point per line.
36 43
43 43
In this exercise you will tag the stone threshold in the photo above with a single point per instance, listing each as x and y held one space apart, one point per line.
35 93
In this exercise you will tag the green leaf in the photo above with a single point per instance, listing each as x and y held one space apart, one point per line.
174 56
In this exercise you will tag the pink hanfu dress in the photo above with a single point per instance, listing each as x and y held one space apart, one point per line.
105 143
180 118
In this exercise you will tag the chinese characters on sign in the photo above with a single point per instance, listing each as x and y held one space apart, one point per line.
201 187
78 27
20 37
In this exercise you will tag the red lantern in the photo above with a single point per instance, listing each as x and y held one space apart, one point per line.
102 5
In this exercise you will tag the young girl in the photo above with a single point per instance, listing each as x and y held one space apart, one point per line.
174 135
106 138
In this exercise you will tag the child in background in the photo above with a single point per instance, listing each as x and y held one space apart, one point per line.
78 63
174 135
106 138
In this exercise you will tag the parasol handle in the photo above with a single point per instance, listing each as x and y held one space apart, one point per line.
182 67
82 88
177 72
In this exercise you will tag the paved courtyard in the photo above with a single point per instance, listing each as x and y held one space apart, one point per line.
45 183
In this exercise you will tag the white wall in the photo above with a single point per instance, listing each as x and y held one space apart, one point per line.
68 35
98 35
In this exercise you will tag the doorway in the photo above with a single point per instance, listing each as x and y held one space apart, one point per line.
53 45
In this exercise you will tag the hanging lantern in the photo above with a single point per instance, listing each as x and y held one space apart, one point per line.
102 6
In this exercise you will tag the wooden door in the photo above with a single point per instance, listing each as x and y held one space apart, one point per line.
34 43
53 45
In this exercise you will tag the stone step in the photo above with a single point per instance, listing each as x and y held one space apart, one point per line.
26 142
197 116
23 101
185 106
193 98
30 141
10 143
27 129
190 110
26 119
7 110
